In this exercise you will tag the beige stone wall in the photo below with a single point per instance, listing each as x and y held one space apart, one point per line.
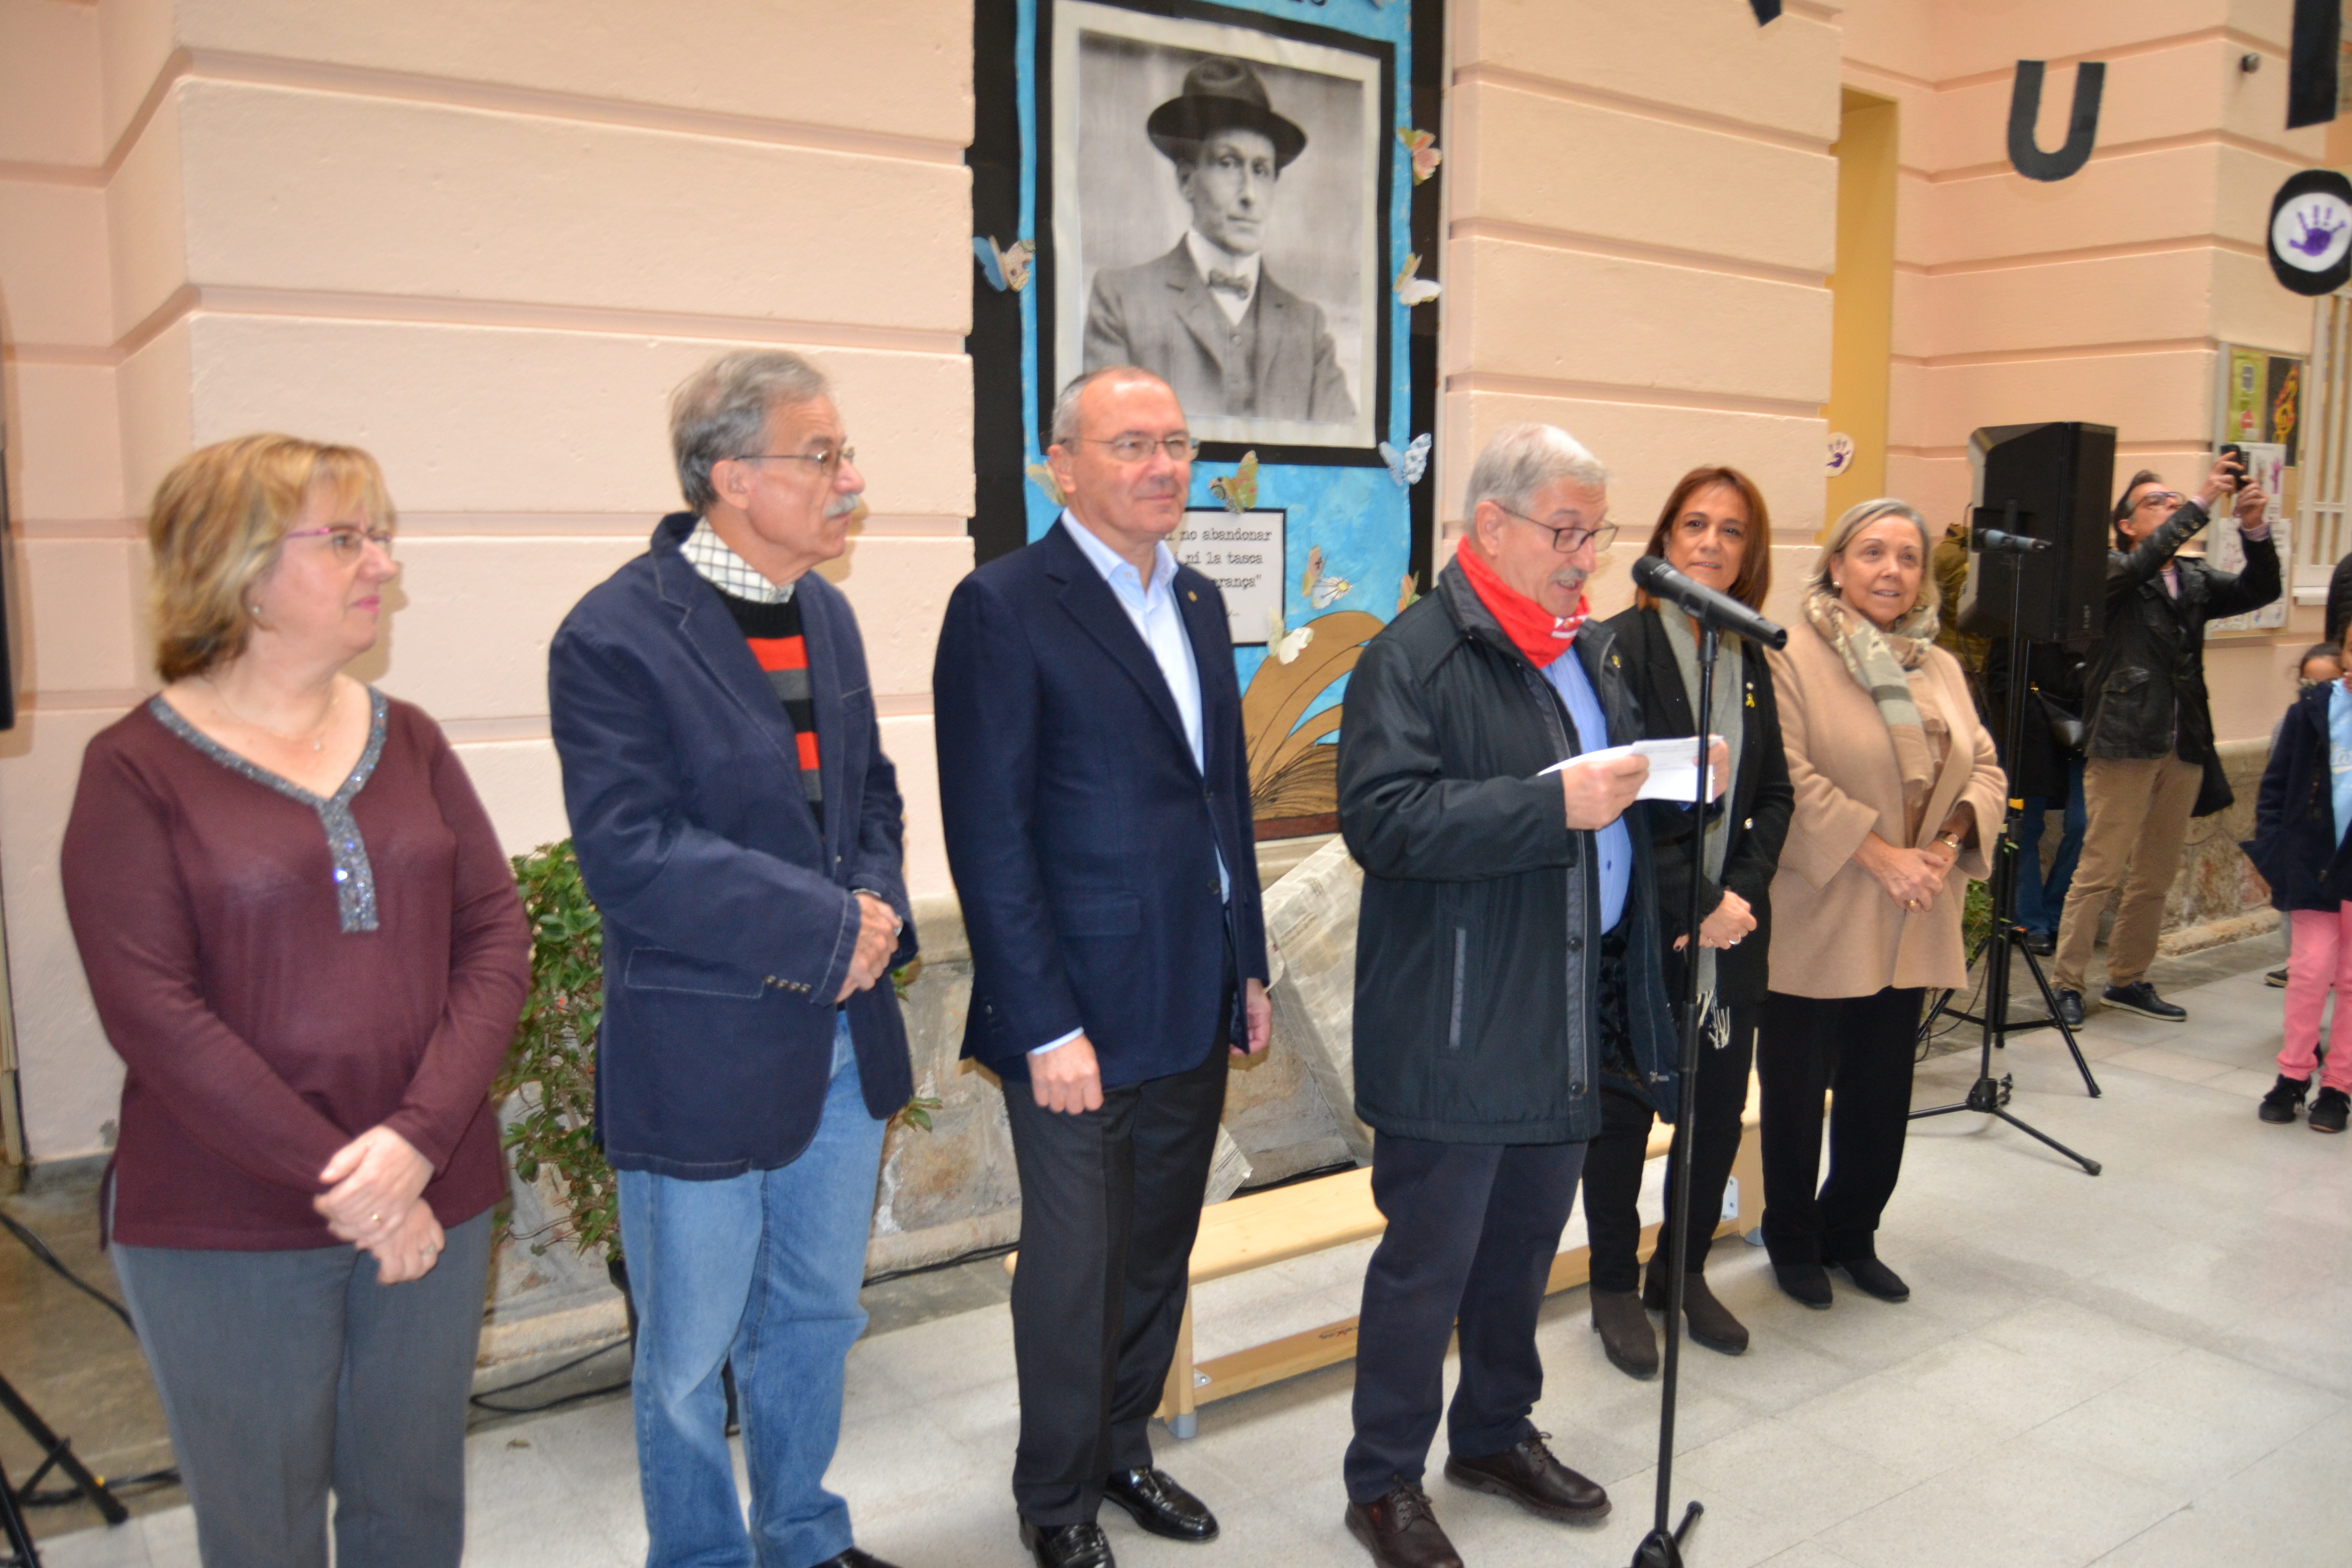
483 242
2102 296
1641 213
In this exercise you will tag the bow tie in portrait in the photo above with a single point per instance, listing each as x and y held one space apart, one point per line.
1229 282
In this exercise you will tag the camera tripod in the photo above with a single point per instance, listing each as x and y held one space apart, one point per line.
1989 1096
56 1453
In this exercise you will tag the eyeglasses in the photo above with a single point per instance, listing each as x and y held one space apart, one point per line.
2158 498
1133 448
346 541
829 460
1568 540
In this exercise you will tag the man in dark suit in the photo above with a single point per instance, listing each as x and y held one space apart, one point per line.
740 828
1206 318
1095 791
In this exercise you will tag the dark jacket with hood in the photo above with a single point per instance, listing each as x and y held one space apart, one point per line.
1479 949
1760 802
2146 692
2294 846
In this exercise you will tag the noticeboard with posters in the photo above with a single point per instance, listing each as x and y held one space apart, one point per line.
2260 408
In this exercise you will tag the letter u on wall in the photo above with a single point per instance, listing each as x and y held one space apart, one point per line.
2082 125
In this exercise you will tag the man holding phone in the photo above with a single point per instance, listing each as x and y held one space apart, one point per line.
2151 763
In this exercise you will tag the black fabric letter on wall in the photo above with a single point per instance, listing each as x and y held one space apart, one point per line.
2082 126
2311 69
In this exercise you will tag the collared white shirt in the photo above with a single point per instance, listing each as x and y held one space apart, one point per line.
1208 254
1151 608
715 562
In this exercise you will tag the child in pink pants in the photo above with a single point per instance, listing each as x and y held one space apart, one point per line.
2300 846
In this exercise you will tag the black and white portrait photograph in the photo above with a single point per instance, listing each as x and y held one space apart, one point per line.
1216 201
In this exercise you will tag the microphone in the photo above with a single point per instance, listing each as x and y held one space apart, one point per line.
1660 580
1993 541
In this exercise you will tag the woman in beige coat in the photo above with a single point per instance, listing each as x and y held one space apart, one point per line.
1897 787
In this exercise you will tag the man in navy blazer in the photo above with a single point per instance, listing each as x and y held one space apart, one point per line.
740 828
1094 790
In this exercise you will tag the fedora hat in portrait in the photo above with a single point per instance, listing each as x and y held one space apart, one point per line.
1221 94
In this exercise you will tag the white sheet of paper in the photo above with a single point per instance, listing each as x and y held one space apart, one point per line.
1674 767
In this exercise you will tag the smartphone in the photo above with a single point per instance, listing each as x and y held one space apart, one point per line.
2234 453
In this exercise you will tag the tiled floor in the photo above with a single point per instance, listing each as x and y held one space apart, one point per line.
2150 1368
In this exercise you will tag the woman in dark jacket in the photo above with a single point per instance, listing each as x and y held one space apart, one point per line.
2300 846
1714 530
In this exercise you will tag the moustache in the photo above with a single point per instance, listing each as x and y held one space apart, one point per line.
851 506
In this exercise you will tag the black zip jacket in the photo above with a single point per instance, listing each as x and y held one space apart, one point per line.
1478 950
1760 803
2146 687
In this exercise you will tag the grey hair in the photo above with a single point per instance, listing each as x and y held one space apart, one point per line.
1853 521
1065 426
1525 459
721 411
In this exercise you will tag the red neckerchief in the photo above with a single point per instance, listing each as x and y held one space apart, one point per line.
1533 630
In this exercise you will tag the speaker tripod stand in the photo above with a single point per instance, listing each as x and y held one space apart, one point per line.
56 1453
1989 1096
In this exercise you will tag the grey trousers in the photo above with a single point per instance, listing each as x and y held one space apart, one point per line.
286 1373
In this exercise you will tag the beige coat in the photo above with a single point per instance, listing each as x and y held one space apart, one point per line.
1835 931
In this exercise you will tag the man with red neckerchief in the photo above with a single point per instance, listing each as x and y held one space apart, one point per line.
1506 960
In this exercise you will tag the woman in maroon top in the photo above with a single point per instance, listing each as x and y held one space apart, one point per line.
307 948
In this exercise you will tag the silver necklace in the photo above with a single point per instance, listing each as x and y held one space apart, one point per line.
317 740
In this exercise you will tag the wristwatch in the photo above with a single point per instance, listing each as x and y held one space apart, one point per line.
1951 839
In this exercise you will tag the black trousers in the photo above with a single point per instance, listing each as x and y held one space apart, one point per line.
1110 1201
1473 1228
1613 1164
1860 1046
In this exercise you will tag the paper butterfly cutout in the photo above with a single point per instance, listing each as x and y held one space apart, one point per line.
1407 466
1286 646
1414 290
1407 594
1422 145
1043 478
1320 591
1006 268
1238 489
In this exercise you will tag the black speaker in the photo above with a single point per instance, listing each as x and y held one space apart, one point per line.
2051 482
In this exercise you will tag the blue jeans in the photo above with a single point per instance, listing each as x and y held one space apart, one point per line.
2041 899
762 1270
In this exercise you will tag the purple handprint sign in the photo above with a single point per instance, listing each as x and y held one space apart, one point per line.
2319 228
2311 232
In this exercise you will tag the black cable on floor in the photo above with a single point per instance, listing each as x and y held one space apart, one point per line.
482 1401
58 1496
40 1250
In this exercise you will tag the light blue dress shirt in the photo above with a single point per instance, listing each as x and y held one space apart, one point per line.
1615 846
1152 607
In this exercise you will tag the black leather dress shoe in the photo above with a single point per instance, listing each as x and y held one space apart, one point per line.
1528 1475
2070 1008
1399 1530
1068 1545
1875 1278
1806 1282
854 1558
1157 1503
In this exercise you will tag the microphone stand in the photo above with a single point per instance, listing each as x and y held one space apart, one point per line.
1662 1548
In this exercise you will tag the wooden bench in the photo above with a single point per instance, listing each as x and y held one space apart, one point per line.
1260 1229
